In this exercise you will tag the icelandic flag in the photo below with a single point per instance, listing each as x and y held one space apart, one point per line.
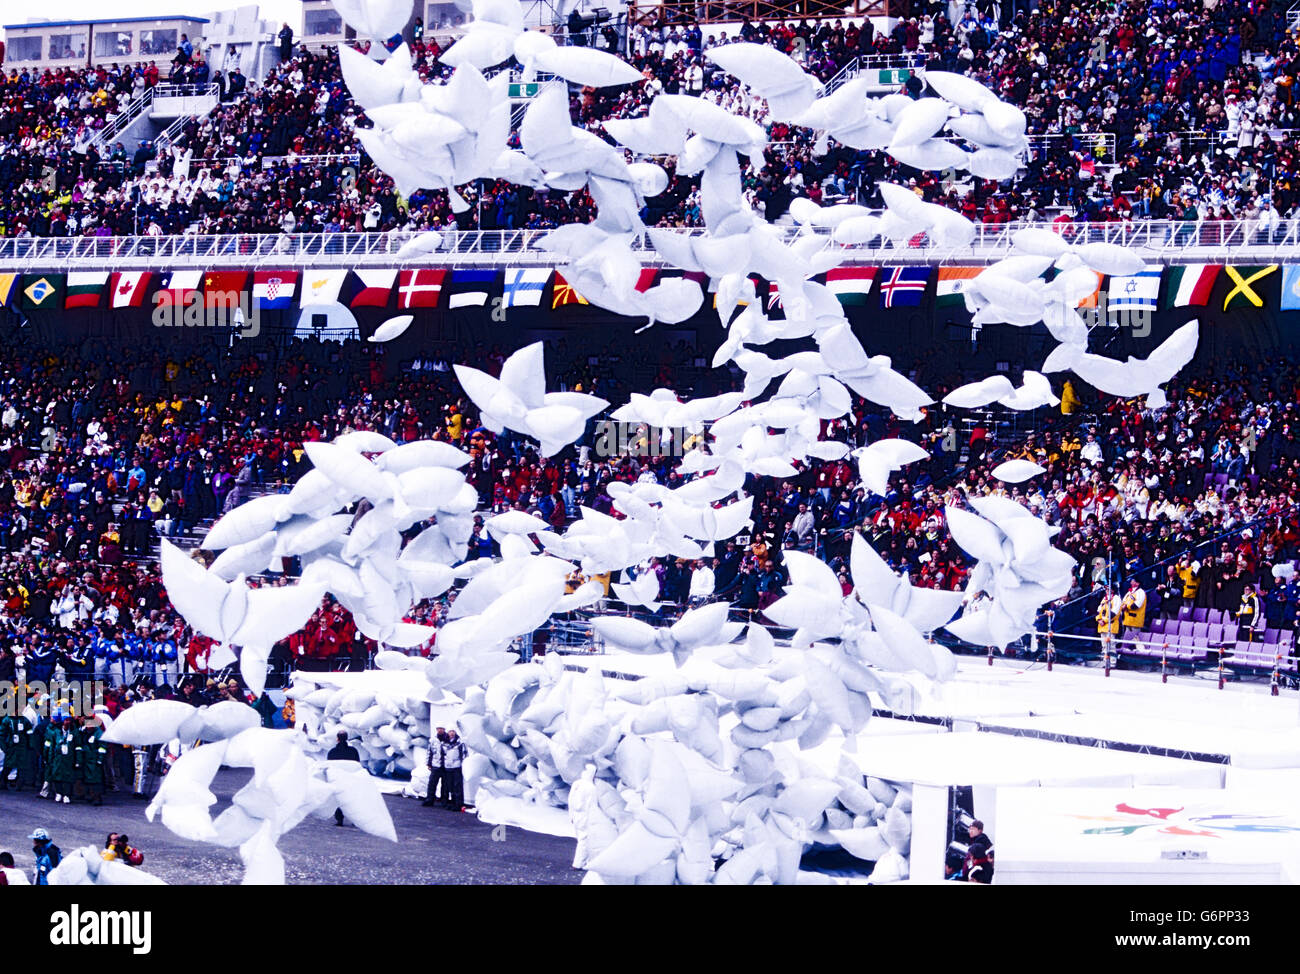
524 287
274 290
903 286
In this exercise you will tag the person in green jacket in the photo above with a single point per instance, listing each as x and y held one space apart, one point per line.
62 767
18 738
91 757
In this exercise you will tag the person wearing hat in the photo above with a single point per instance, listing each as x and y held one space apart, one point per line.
1134 606
62 742
48 855
92 754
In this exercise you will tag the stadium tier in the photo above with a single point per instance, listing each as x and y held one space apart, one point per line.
658 398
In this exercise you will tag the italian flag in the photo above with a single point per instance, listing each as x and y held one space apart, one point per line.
85 290
953 284
1190 285
851 284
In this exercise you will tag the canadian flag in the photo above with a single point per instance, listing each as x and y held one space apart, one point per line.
129 289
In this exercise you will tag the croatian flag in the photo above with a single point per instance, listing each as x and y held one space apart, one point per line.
274 290
902 287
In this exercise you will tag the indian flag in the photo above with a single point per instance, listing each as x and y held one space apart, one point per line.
85 290
1190 285
851 284
953 284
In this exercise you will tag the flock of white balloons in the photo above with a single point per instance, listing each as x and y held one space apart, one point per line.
694 777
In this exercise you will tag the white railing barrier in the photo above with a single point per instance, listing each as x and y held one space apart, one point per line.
1166 241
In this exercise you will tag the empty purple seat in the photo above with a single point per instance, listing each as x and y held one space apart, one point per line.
1157 626
1272 637
1183 627
1286 638
1200 615
1217 634
1184 613
1200 631
1217 615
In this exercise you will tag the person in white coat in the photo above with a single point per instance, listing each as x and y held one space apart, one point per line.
10 875
702 582
582 799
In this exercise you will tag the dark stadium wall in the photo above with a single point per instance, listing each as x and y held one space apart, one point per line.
937 343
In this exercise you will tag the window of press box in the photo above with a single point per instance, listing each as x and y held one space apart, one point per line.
158 42
25 48
114 43
321 22
67 46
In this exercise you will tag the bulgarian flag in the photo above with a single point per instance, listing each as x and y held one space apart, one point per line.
953 284
851 284
1190 285
85 289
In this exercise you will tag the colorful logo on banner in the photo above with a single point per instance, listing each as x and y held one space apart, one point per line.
1129 820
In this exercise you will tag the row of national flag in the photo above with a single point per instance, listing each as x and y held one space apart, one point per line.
1154 287
280 290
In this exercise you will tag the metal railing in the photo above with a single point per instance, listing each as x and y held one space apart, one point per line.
1168 241
123 120
324 159
167 90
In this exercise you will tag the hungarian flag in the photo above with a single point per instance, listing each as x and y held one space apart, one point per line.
851 284
42 291
129 289
225 289
563 293
1190 285
470 289
525 286
903 286
322 287
179 285
8 288
273 290
1135 292
1246 283
375 290
85 289
419 289
953 284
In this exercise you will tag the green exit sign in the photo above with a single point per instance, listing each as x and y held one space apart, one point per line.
529 90
893 76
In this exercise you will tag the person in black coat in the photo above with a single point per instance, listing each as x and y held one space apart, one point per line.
342 751
979 855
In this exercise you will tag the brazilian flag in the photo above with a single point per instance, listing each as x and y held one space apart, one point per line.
43 291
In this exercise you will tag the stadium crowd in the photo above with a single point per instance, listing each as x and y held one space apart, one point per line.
1197 97
1195 501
